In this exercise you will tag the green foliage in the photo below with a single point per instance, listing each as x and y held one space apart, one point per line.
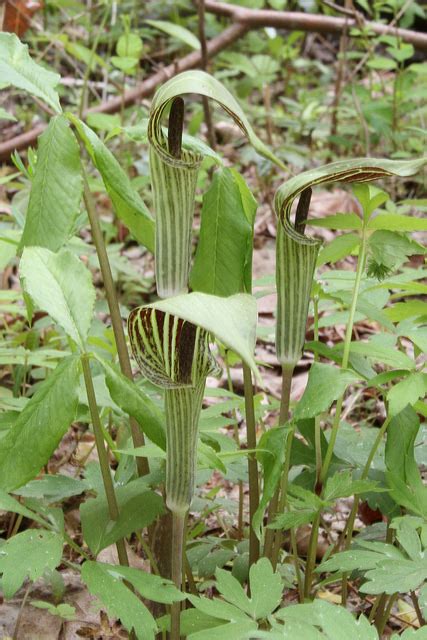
18 69
405 484
56 188
60 284
40 426
138 508
226 237
127 203
107 583
237 614
43 550
176 31
136 403
325 384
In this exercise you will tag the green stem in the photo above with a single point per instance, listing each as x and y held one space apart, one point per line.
285 399
317 430
283 501
113 507
346 354
178 528
252 462
237 441
116 320
385 613
311 555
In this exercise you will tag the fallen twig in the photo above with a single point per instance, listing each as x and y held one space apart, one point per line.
294 20
143 90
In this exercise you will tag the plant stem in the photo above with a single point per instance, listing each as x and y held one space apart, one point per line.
116 320
381 622
417 608
346 354
252 462
278 539
237 441
317 431
178 527
287 372
113 507
311 555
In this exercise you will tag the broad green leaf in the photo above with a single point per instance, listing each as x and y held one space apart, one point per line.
361 559
339 248
403 310
106 582
342 485
292 519
225 242
325 384
17 69
8 503
64 611
335 622
271 455
218 609
407 391
40 426
231 320
202 83
129 45
53 488
127 203
266 588
136 403
338 222
403 477
61 285
231 589
397 222
176 31
240 629
56 188
138 508
389 249
408 537
393 576
28 555
388 355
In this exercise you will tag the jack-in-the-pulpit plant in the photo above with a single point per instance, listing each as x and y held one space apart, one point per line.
174 354
174 173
